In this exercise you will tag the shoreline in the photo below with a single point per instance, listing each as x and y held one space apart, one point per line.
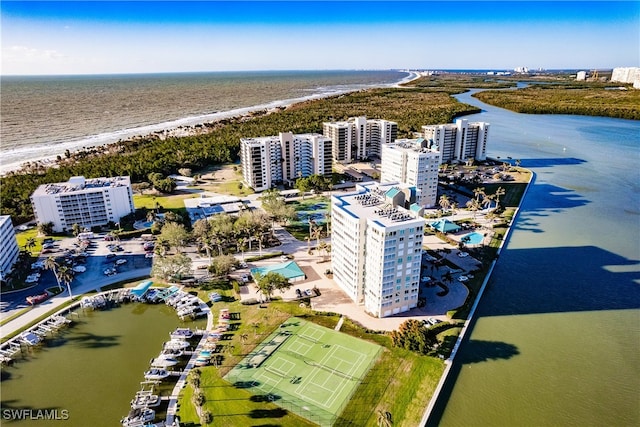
444 378
182 127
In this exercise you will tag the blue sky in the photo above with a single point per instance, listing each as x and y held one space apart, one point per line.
146 36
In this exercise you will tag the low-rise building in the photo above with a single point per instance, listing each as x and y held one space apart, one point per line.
86 202
376 246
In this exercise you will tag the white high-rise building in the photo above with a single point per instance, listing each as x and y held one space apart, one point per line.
272 160
376 246
9 250
625 74
408 161
458 141
359 138
86 202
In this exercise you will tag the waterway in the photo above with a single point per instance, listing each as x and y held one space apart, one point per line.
91 370
557 335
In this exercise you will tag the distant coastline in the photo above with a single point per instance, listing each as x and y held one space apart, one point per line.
16 159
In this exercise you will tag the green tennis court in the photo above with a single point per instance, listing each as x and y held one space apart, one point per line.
307 369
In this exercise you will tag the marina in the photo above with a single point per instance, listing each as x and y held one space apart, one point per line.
109 333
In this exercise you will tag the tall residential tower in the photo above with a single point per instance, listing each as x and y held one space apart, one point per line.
376 246
273 160
458 141
408 161
359 138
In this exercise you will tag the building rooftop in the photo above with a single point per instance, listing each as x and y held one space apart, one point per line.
78 183
374 201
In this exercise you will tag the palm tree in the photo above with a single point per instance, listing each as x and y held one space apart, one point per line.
444 202
243 338
499 192
473 205
76 229
477 192
30 244
51 264
487 200
65 275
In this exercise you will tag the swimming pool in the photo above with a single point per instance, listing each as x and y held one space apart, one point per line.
472 238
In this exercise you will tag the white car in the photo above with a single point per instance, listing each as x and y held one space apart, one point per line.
426 279
284 258
463 279
121 261
463 254
79 269
245 278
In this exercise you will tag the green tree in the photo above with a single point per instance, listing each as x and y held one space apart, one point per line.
270 282
65 275
30 244
444 202
172 266
76 229
46 229
499 192
222 265
415 336
175 235
51 264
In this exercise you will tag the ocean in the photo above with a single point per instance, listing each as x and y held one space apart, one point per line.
43 116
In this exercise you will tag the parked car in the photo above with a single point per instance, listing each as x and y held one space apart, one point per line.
463 254
284 258
79 269
121 261
245 278
308 292
298 293
463 279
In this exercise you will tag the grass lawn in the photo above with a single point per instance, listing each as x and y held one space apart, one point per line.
23 236
167 202
233 406
404 390
231 188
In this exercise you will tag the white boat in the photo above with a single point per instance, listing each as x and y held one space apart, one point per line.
172 352
164 362
30 338
145 399
202 361
138 417
156 374
181 333
176 344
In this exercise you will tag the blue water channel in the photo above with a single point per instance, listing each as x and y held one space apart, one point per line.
557 335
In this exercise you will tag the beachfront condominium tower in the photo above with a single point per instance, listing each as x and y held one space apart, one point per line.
459 141
409 161
87 202
359 138
9 250
272 160
376 246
